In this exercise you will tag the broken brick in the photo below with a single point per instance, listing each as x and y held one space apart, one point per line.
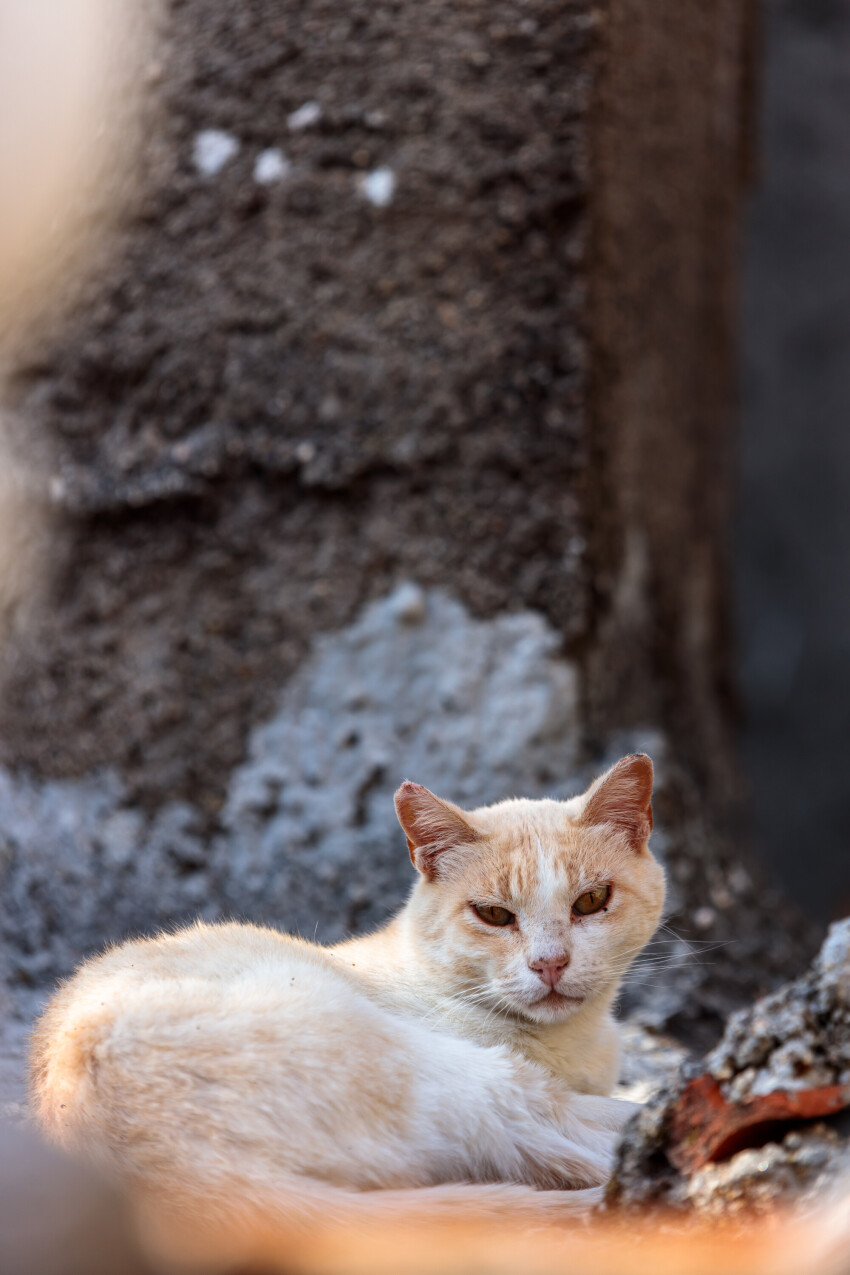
705 1126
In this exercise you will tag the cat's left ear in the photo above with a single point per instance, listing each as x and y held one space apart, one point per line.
623 797
433 827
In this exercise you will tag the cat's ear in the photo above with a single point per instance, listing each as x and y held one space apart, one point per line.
623 797
432 826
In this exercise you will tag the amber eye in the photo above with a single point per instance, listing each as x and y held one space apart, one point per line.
493 915
593 901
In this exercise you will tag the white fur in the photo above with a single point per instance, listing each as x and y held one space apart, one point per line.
237 1065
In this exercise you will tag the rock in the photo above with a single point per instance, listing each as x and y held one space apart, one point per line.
738 1128
802 1166
798 1038
307 836
414 689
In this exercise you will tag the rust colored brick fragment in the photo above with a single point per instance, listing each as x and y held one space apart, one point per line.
706 1127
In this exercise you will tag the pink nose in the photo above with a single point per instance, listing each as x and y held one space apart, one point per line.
550 971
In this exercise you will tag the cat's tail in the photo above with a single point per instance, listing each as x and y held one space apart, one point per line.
234 1231
458 1201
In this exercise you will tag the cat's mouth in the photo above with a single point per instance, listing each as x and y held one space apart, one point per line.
558 1002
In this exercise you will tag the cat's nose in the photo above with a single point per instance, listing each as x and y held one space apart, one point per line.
550 971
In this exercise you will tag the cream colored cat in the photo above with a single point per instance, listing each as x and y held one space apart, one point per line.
231 1070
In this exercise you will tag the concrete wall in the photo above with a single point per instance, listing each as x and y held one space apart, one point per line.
793 543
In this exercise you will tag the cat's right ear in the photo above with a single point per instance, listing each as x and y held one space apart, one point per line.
622 798
433 827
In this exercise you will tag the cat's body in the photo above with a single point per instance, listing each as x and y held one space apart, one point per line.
461 1049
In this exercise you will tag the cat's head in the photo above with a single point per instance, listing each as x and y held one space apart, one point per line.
535 908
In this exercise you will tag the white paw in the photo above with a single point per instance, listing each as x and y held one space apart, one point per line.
582 1200
603 1113
568 1162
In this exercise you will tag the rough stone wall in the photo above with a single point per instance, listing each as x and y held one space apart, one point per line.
278 399
417 295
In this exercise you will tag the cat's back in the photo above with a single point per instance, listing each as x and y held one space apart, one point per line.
188 961
198 990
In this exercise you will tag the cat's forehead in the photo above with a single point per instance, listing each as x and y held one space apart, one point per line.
536 847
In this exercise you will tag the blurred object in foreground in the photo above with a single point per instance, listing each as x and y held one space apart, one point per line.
656 1243
56 1218
66 140
64 108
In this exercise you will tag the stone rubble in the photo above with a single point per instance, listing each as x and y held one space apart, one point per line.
739 1129
650 1060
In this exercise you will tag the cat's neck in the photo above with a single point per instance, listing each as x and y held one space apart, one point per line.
406 971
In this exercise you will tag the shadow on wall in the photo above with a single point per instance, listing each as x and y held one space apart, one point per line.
794 526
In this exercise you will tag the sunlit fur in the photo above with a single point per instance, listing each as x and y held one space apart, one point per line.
236 1069
534 858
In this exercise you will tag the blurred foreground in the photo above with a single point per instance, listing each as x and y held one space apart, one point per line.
57 1219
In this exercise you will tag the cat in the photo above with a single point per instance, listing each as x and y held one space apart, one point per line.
458 1059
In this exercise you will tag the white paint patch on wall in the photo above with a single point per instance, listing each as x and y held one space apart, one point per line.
379 187
212 150
415 687
271 166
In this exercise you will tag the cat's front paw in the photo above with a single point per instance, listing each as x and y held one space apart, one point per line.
603 1113
562 1160
589 1134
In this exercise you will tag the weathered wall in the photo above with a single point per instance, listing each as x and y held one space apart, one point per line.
793 542
498 378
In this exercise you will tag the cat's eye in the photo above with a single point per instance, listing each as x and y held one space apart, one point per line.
492 914
592 901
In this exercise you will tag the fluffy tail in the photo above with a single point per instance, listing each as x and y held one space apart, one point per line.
215 1231
451 1202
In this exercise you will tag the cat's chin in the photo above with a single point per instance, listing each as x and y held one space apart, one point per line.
553 1008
